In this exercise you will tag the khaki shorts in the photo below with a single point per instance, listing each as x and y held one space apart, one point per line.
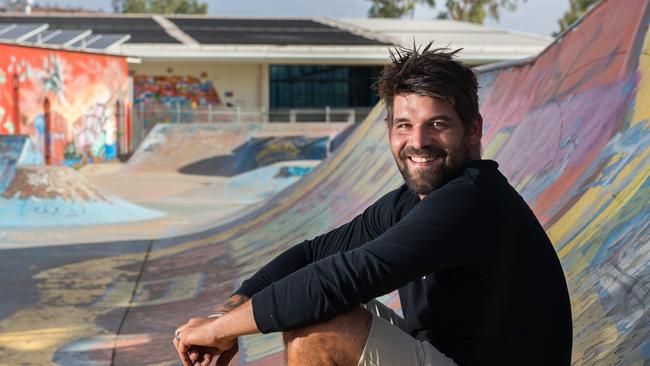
389 345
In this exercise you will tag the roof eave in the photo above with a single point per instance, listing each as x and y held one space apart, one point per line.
306 54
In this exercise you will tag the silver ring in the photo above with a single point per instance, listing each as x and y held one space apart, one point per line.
178 336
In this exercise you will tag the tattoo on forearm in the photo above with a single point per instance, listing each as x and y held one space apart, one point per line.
233 302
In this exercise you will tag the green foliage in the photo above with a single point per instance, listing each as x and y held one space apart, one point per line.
577 8
395 8
473 11
160 6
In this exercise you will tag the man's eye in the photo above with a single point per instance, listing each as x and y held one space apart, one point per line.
401 126
438 124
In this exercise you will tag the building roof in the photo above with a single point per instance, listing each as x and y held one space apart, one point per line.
290 40
40 35
143 29
479 43
204 30
269 31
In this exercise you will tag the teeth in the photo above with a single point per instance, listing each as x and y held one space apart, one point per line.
421 160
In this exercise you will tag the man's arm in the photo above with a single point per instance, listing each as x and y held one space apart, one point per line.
201 340
233 302
371 223
445 230
235 316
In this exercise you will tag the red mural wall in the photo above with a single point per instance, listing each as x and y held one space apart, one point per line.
78 99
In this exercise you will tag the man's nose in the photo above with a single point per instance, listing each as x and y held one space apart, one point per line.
421 137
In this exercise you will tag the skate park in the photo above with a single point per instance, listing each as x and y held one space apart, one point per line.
569 128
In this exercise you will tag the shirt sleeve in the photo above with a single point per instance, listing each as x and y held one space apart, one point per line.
442 231
371 223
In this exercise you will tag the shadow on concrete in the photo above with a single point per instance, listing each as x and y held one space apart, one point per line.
261 152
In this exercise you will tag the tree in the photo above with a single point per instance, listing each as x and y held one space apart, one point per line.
395 8
473 11
160 6
577 8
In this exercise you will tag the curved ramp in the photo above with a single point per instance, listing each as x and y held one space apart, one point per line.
15 150
34 195
569 128
40 196
228 149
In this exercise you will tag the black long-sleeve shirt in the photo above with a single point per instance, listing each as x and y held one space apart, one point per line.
477 276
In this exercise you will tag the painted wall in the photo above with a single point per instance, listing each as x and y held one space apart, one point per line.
188 91
237 84
85 94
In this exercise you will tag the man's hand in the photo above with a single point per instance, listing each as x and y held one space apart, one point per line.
203 352
198 343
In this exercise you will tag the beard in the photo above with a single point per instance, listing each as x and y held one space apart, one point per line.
448 165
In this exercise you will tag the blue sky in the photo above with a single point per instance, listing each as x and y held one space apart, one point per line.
534 16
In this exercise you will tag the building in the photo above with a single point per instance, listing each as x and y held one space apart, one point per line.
275 64
73 104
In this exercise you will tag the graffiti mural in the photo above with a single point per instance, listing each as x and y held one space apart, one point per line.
167 90
76 95
173 98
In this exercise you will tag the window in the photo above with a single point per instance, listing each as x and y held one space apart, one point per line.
318 86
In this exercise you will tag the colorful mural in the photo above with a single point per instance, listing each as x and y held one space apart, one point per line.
78 96
170 90
570 129
174 98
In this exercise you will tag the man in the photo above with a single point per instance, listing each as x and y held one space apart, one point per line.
478 279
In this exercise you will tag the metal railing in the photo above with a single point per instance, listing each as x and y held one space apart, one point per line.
178 113
144 118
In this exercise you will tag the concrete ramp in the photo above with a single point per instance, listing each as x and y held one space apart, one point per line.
228 149
39 196
15 151
34 195
571 132
569 128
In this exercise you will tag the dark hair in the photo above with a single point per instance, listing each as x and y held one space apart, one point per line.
430 72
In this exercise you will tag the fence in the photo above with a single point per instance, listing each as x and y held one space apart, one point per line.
145 117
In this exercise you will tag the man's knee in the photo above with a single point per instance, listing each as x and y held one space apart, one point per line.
342 338
357 320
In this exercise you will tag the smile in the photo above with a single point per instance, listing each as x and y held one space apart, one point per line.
422 160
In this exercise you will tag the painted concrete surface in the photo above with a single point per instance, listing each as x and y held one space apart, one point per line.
33 195
221 149
206 174
250 187
570 130
16 150
58 196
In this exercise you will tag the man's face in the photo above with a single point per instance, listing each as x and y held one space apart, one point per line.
429 142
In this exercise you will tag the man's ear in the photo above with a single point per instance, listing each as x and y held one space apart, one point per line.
475 130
